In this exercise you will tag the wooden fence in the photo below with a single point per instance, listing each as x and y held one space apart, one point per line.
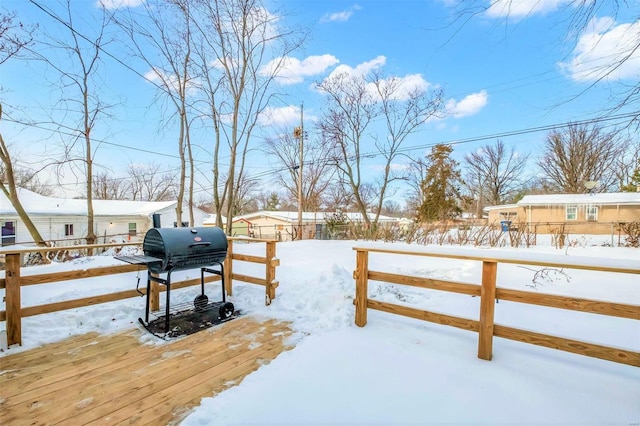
13 281
485 326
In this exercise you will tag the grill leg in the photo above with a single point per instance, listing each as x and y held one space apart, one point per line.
166 317
146 313
202 280
222 281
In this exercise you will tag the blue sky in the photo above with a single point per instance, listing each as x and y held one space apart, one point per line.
499 73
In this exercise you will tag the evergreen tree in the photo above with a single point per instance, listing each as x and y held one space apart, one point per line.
441 186
634 183
273 202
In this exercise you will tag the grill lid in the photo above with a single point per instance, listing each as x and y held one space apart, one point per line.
181 248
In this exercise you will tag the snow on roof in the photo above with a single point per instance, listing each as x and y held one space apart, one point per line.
501 207
309 216
211 219
36 204
599 198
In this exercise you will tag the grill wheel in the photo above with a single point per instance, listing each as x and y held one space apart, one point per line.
200 302
226 310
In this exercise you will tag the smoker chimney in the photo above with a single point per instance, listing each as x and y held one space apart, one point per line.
156 220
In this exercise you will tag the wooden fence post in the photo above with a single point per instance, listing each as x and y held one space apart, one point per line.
487 308
228 269
13 303
270 276
361 276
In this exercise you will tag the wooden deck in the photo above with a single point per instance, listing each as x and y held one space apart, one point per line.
116 379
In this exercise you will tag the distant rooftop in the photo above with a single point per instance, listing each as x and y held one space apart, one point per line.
36 204
597 198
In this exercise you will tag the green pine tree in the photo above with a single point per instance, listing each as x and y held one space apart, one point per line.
273 202
441 186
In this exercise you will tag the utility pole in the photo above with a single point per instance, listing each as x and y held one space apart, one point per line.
298 132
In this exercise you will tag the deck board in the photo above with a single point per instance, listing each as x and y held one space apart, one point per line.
114 379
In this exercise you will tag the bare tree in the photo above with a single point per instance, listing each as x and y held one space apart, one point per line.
10 190
351 107
354 101
415 176
15 36
73 60
149 184
318 172
580 154
162 39
404 111
246 201
495 174
29 179
106 187
337 197
248 49
391 208
626 166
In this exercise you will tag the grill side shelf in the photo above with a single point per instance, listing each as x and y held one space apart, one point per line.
138 259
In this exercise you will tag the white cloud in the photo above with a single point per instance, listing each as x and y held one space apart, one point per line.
403 86
117 4
469 105
292 70
342 16
523 8
280 116
360 70
601 49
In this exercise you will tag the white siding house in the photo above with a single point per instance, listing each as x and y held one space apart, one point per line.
64 220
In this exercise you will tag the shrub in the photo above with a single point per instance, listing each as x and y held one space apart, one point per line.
632 229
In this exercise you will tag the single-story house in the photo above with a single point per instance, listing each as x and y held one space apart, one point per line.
282 225
598 213
64 220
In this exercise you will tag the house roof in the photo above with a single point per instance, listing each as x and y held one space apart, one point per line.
211 219
501 207
308 217
36 204
598 198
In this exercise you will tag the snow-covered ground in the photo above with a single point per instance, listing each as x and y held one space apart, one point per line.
395 370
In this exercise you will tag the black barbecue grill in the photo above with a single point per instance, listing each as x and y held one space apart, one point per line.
172 249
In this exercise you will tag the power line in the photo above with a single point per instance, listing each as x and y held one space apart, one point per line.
100 141
525 131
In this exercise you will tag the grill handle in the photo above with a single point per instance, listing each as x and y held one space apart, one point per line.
202 243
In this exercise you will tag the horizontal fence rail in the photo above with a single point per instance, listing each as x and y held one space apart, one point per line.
13 281
489 293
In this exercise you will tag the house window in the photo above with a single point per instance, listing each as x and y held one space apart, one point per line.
572 212
8 232
132 229
68 230
592 213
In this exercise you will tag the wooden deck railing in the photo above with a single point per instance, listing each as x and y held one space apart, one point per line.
488 292
13 282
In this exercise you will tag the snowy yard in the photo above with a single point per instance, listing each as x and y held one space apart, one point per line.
395 370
